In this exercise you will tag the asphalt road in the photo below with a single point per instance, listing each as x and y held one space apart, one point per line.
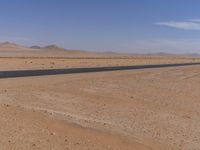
29 73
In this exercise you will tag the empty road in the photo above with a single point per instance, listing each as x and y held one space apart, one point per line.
29 73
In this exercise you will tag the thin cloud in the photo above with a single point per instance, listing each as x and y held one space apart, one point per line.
193 24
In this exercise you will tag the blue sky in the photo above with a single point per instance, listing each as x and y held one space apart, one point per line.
137 26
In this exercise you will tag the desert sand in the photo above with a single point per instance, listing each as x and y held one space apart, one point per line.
143 109
150 109
52 63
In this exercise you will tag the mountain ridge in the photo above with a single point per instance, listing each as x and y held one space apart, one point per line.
13 47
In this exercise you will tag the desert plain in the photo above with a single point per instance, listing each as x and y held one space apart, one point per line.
149 109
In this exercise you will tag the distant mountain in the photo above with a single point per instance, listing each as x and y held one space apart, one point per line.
192 54
12 49
35 47
54 48
160 54
8 46
48 47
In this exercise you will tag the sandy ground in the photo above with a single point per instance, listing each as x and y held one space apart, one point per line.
144 109
50 63
27 129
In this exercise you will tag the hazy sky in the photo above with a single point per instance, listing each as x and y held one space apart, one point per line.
139 26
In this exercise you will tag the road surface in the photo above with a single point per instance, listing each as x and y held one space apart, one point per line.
29 73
